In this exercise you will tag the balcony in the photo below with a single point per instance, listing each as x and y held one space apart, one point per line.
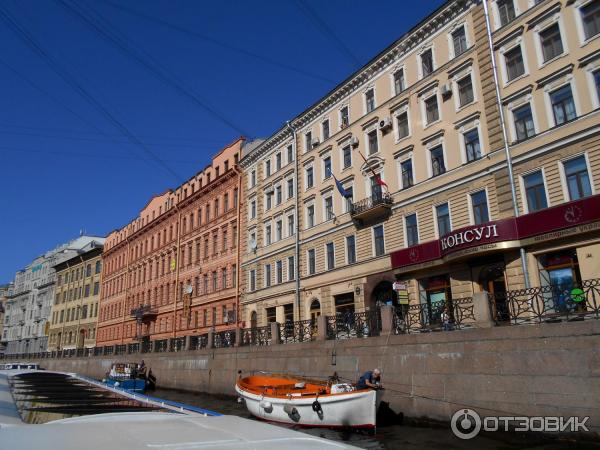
144 314
371 209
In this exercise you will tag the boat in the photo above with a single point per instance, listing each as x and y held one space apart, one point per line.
66 411
130 376
308 402
20 365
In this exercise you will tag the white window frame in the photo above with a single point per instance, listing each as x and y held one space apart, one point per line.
346 249
541 27
423 50
371 87
323 138
287 216
308 273
462 23
267 282
470 203
366 132
416 214
516 104
395 114
348 184
291 274
266 224
251 275
430 146
307 144
252 200
325 253
401 159
251 174
339 115
496 14
385 252
323 158
279 185
275 220
306 167
287 197
425 97
280 160
455 89
577 6
396 69
470 126
563 176
434 210
306 206
267 162
518 42
589 70
551 87
342 146
525 205
328 195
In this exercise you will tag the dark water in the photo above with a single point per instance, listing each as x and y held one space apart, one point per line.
394 437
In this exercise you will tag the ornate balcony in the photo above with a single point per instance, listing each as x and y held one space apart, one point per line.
144 314
372 208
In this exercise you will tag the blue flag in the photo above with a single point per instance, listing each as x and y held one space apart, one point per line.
340 187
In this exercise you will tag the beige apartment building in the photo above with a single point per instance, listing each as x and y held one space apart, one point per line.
417 144
74 313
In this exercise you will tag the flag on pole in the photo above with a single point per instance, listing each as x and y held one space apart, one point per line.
340 187
376 176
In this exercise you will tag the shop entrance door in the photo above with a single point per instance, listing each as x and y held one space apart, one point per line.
493 282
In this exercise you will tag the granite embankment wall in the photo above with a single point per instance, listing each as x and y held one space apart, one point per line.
533 370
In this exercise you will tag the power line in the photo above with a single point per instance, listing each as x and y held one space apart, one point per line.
151 65
28 39
218 43
327 32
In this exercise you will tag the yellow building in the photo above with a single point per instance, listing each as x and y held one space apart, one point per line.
74 314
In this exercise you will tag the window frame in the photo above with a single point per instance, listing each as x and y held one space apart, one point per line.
436 218
563 175
405 229
470 203
552 88
346 249
374 242
523 188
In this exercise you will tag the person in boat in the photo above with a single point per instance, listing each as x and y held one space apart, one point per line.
142 369
370 380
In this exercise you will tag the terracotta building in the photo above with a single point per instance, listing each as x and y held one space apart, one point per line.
173 271
402 170
74 312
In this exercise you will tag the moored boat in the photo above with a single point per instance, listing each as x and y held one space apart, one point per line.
130 376
307 402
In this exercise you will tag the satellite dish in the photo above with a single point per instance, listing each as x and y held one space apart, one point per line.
188 289
253 244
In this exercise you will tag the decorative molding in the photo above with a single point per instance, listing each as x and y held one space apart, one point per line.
553 76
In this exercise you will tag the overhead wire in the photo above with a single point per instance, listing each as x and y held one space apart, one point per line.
23 34
218 43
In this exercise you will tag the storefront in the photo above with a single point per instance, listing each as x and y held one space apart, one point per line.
562 246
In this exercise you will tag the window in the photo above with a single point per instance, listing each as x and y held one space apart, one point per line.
597 83
431 109
459 41
290 188
223 243
327 166
442 213
590 15
472 147
309 177
577 178
291 269
278 195
551 42
278 161
267 275
479 207
370 100
372 139
351 249
267 168
252 277
291 226
310 216
437 161
279 272
330 256
290 153
426 62
253 178
86 292
407 173
268 234
465 91
563 106
96 288
329 208
378 240
506 11
223 278
412 232
278 230
535 191
268 200
311 262
524 126
344 117
402 122
225 203
347 152
515 67
325 129
399 84
308 141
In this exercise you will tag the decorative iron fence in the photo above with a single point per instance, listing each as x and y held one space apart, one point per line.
146 346
370 202
98 351
133 348
108 350
499 308
256 336
299 331
553 303
176 344
198 342
120 349
224 339
354 324
161 346
443 315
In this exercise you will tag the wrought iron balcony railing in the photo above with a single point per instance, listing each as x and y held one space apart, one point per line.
376 202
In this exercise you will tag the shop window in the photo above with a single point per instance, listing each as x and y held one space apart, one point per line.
271 314
435 295
344 303
559 274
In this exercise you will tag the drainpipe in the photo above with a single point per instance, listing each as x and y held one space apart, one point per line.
238 252
297 214
177 265
513 190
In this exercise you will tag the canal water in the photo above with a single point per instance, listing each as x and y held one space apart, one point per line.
392 437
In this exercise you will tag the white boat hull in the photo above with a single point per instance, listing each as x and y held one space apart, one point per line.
356 409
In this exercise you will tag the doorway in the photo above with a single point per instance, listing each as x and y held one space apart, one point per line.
492 281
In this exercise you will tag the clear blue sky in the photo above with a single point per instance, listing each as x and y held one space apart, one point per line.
224 67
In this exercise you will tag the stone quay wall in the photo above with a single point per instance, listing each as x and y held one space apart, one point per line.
529 370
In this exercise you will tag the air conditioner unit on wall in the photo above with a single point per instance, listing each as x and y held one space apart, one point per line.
385 124
315 142
446 90
354 141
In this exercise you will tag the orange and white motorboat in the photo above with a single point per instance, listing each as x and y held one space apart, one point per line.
308 402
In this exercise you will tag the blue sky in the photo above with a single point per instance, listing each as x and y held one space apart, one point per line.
109 102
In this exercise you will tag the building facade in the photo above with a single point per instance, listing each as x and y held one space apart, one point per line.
402 169
74 314
28 308
6 291
173 271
